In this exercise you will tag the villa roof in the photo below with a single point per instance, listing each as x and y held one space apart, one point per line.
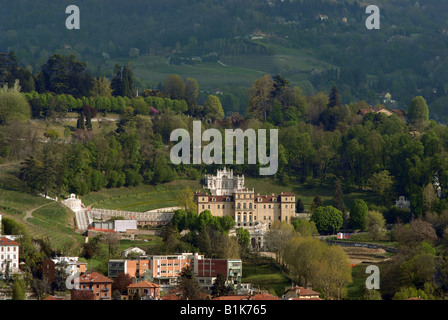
93 277
8 242
143 284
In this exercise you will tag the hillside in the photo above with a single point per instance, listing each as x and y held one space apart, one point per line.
200 38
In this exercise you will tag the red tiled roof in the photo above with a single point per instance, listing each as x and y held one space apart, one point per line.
52 298
93 277
8 242
231 298
143 284
171 296
264 296
365 111
300 291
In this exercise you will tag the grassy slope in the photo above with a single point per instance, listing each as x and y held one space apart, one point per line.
47 219
141 198
267 276
235 71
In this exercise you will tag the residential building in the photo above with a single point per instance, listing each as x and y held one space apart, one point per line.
9 256
135 268
264 296
133 251
300 293
144 289
206 271
99 285
257 296
399 113
70 264
165 270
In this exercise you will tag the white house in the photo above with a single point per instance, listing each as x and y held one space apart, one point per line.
9 256
124 225
135 250
73 265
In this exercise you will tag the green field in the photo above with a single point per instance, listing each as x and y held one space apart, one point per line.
210 75
266 276
141 198
147 197
230 71
46 218
266 186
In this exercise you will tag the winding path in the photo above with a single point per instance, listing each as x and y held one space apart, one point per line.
29 213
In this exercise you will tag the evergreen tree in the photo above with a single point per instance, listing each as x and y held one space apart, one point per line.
317 202
338 198
128 82
88 119
117 83
334 98
19 289
299 206
219 286
188 285
80 124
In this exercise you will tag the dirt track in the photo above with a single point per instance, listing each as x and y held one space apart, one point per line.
360 255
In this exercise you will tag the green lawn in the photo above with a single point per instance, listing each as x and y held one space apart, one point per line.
356 288
148 197
266 276
210 75
141 198
231 71
305 192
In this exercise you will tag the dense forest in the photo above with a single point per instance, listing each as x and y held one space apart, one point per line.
406 57
321 140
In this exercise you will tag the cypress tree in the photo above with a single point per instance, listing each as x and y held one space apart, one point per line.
334 98
80 123
88 119
338 199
